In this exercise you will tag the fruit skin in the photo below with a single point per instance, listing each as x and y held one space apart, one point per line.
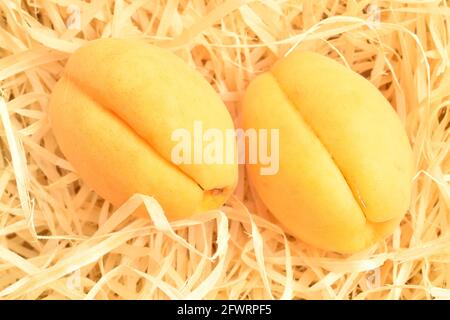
346 166
113 113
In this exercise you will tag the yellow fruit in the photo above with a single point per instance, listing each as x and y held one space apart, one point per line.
345 161
113 113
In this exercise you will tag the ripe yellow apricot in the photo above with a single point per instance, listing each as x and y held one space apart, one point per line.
345 160
113 113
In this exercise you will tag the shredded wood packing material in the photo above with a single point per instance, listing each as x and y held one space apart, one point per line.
59 240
